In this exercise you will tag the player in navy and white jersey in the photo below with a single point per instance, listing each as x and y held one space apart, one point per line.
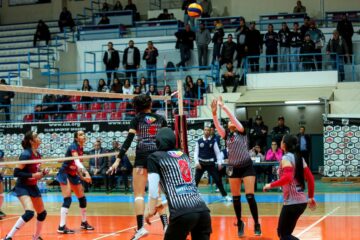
293 172
145 126
26 189
240 167
171 168
69 177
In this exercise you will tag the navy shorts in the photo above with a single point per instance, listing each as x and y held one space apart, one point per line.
26 190
141 159
63 177
240 172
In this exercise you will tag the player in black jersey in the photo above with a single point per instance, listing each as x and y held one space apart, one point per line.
145 125
171 168
240 166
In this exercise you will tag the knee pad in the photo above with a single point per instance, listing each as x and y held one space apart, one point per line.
82 202
41 216
140 198
67 202
250 197
28 215
236 198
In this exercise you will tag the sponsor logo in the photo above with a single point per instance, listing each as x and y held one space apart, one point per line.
175 154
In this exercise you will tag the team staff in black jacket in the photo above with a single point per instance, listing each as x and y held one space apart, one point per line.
284 40
271 40
112 61
295 45
131 61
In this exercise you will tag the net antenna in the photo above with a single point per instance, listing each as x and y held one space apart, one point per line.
180 121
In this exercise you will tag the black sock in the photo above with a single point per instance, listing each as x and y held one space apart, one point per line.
164 219
237 207
253 207
140 221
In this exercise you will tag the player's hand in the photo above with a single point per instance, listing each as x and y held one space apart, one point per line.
198 166
113 168
214 107
45 171
87 178
220 101
312 204
37 175
267 187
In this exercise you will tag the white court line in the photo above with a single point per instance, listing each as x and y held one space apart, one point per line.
3 220
315 223
120 231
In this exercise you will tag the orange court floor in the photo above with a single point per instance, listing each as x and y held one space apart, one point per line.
337 217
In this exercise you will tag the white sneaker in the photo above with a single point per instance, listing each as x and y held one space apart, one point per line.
227 199
142 232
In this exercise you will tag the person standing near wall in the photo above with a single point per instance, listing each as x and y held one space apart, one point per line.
318 38
207 8
187 18
150 57
203 38
5 100
112 62
185 42
131 61
254 40
271 40
346 31
295 45
284 40
217 40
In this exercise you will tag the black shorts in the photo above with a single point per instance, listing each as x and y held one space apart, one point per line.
26 190
1 178
240 172
63 177
197 223
141 159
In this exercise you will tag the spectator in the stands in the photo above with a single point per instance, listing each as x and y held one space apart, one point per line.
230 78
258 133
42 33
152 91
150 56
274 153
280 130
187 18
5 100
118 6
131 61
144 87
271 40
65 104
200 88
228 51
254 45
338 51
203 38
256 152
295 45
86 87
99 165
164 15
66 20
190 83
48 108
207 8
116 87
111 60
137 90
241 42
185 42
305 27
217 40
346 31
189 93
306 53
104 20
105 7
318 38
127 88
284 38
299 8
131 6
304 141
102 88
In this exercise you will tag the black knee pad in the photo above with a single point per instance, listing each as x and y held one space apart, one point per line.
28 215
41 216
67 202
82 202
250 197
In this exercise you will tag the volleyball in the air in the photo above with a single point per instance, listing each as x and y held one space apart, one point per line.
194 10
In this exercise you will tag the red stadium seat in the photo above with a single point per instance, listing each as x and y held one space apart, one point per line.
80 108
71 117
28 118
101 116
116 116
95 107
86 116
109 107
75 98
122 106
198 102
